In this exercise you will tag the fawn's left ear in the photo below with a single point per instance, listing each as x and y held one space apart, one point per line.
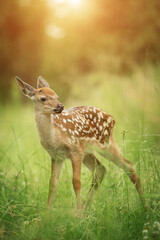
41 83
26 89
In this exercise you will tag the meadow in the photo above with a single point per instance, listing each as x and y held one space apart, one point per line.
116 212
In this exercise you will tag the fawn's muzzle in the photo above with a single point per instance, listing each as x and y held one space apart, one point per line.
59 108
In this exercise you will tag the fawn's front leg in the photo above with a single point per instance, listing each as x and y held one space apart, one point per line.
56 166
76 164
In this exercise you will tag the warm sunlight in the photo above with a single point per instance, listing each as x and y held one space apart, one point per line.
70 3
74 2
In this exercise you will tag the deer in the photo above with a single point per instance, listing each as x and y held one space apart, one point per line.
73 133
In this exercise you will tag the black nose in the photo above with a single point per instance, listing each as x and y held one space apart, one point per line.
59 108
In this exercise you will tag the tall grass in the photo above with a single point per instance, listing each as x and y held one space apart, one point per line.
116 212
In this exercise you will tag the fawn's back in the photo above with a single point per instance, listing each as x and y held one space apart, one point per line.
84 124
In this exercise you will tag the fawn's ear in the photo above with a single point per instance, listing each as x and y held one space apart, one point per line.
26 89
41 83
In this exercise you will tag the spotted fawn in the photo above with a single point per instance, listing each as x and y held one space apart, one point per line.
71 133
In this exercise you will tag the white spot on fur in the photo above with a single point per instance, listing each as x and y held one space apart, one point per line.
76 132
100 115
97 132
94 119
64 120
100 128
80 129
65 113
105 124
109 120
76 120
106 132
85 131
91 116
69 120
64 129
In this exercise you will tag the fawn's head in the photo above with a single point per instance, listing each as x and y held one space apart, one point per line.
45 99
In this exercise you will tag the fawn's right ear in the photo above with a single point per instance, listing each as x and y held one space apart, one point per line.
26 89
41 83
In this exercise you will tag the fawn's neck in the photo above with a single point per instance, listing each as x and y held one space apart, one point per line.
45 125
43 122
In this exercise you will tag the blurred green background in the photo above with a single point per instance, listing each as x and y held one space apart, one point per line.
104 53
67 40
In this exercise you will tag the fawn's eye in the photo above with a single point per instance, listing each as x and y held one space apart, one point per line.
43 99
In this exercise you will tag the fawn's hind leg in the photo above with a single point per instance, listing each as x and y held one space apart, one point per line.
98 171
117 158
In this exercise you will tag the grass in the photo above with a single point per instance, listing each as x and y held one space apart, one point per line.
116 212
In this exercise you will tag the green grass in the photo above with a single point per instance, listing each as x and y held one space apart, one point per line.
116 212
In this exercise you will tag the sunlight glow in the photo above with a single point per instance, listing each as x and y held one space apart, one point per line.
74 2
55 32
69 3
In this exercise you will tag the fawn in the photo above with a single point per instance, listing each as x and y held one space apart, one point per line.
69 133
